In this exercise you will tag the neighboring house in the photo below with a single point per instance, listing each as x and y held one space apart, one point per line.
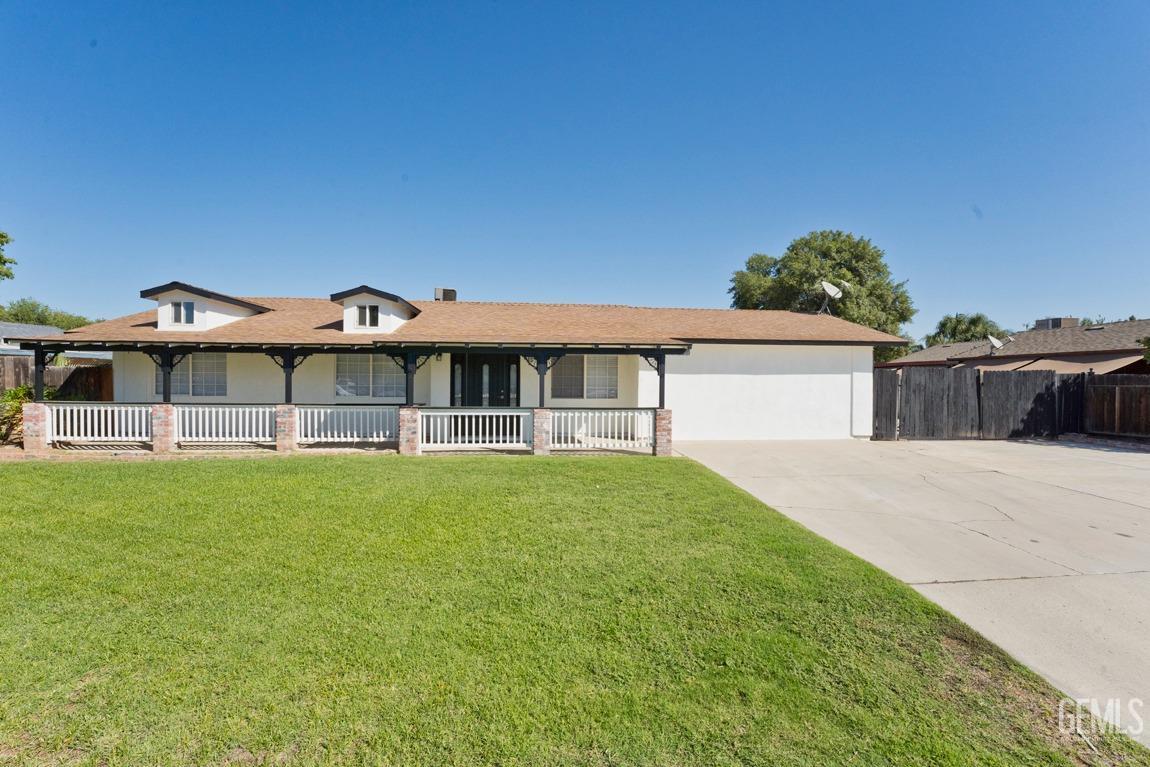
16 330
21 330
725 374
1061 344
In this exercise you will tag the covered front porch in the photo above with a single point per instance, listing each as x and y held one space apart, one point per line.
450 398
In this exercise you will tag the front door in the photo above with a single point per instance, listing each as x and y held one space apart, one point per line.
485 380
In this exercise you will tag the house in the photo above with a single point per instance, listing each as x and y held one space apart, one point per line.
9 347
366 365
1061 344
10 330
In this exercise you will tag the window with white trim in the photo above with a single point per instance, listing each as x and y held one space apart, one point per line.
183 312
367 316
368 375
202 375
602 376
591 376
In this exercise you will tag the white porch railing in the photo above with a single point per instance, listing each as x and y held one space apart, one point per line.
463 429
225 423
98 422
602 429
348 423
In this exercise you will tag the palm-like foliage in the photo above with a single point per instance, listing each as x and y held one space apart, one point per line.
954 328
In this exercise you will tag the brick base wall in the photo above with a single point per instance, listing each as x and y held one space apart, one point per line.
287 434
35 428
163 428
409 431
662 432
541 431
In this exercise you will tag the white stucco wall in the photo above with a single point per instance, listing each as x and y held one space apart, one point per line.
254 378
745 391
391 314
209 314
717 392
628 387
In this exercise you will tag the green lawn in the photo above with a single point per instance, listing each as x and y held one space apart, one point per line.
535 611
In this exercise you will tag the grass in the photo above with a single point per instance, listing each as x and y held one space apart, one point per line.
382 610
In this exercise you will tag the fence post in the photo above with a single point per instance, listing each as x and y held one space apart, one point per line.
409 430
541 431
36 428
164 428
287 428
662 432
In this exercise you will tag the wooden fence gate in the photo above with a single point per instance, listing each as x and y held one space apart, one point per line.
1118 405
938 403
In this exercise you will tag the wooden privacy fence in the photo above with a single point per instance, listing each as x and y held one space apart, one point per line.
961 403
1118 405
92 383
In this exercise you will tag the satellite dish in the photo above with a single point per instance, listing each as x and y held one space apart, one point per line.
995 342
832 290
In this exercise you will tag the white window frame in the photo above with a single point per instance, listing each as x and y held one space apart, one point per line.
187 381
364 318
183 312
611 361
385 377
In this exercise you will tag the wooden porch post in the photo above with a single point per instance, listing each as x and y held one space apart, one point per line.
289 368
38 378
661 368
541 368
166 374
409 371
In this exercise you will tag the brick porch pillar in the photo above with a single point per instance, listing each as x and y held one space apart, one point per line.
409 430
163 428
541 431
35 428
287 433
662 432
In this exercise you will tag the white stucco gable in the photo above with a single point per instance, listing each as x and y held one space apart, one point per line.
183 307
368 310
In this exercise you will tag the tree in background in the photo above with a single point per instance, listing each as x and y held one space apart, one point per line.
954 328
6 263
32 312
792 281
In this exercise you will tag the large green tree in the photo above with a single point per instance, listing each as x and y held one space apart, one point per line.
954 328
793 281
34 312
6 263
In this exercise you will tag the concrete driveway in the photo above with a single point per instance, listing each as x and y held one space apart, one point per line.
1042 547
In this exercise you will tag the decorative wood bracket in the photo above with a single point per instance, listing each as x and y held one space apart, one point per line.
401 360
549 361
158 358
282 358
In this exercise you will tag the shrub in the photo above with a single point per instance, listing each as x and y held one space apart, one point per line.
12 411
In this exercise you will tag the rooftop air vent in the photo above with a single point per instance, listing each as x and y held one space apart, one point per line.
445 294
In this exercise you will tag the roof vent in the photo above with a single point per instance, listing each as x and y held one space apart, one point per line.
445 294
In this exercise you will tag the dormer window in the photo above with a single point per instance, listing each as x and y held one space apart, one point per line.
367 316
183 312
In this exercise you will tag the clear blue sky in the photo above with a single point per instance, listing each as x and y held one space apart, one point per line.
614 152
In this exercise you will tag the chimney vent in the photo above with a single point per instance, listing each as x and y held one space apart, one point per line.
1054 323
445 294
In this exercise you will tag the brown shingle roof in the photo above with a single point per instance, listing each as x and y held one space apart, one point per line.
1112 337
934 355
319 321
1107 337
